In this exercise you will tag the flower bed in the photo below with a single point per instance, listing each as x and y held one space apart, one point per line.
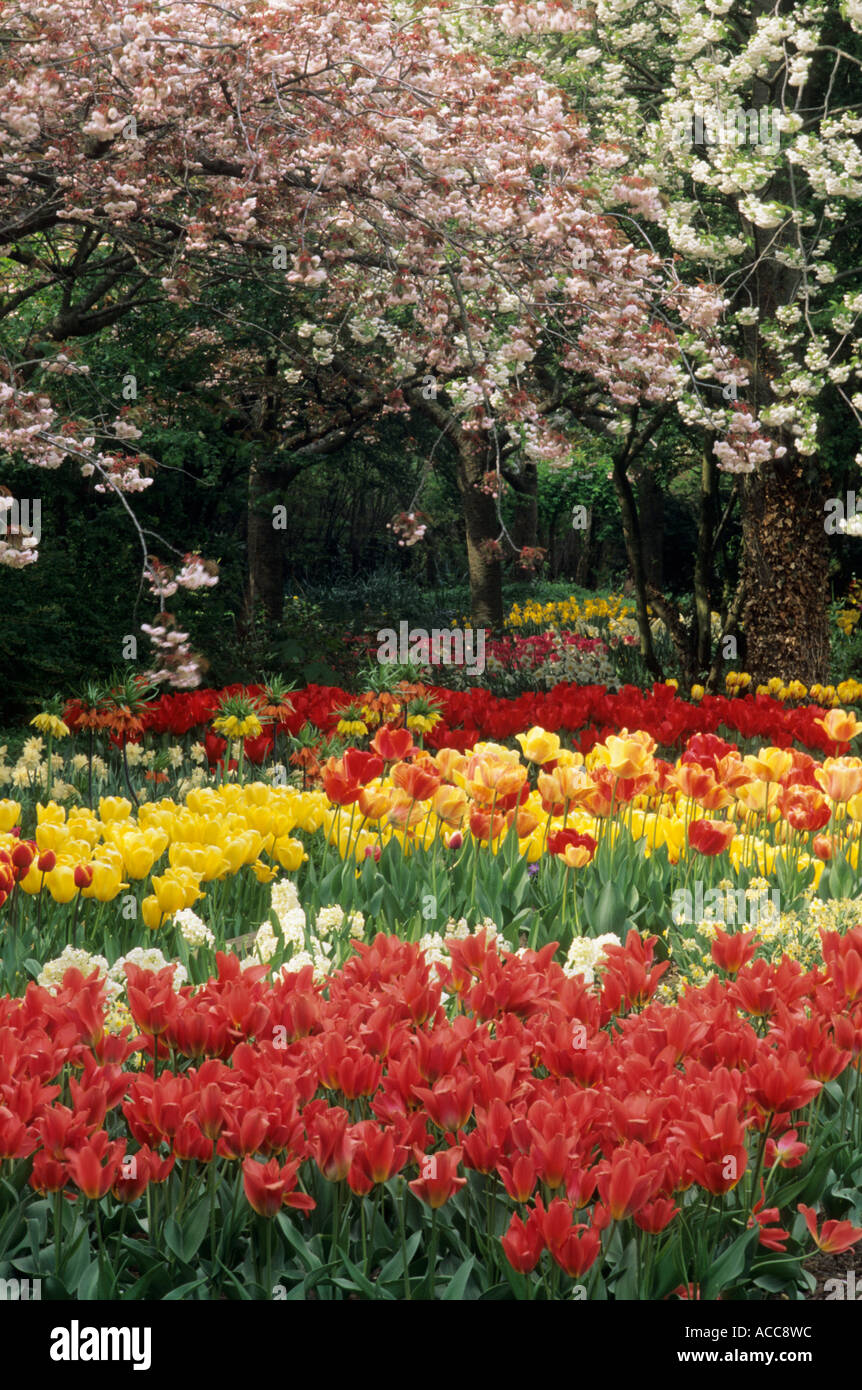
488 1127
522 1022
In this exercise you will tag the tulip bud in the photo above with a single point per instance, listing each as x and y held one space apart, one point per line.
22 856
46 861
83 875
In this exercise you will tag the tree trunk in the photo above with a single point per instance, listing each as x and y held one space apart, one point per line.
265 580
651 512
526 521
585 552
785 561
482 529
634 553
481 524
786 572
703 563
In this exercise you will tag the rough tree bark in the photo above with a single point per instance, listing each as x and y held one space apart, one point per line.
786 573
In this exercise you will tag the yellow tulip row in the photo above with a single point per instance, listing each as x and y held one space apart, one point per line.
216 832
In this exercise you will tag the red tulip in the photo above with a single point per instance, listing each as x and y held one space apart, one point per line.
732 950
835 1236
138 1171
151 996
629 1179
94 1166
49 1174
393 745
578 1251
330 1142
376 1158
450 1104
417 781
519 1177
655 1216
786 1151
711 837
438 1180
268 1188
522 1244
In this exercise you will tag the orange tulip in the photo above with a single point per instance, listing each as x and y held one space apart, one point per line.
840 726
373 802
417 781
840 778
450 804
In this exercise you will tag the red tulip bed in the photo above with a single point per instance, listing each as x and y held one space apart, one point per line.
490 1129
591 712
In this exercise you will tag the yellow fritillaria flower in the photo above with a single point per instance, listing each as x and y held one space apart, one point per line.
422 723
227 724
352 727
50 724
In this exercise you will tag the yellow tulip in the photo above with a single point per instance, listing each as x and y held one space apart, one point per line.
107 881
570 757
190 884
258 793
138 854
10 815
84 826
205 861
33 880
60 883
264 873
243 849
50 835
758 797
531 847
840 778
539 746
770 765
52 814
170 894
152 913
289 853
625 757
188 827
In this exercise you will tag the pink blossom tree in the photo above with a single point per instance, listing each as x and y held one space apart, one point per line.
428 224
